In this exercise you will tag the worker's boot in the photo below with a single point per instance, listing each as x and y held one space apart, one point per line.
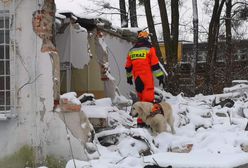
141 124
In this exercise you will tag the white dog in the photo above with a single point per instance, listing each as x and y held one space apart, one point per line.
157 121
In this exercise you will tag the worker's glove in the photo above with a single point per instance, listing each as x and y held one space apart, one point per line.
161 80
130 80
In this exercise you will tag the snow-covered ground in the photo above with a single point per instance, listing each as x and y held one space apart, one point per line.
206 135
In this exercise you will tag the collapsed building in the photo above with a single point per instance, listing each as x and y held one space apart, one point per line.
36 54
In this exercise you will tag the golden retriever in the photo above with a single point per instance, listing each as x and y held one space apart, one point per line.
158 122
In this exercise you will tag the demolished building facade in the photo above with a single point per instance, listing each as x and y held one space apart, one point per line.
32 64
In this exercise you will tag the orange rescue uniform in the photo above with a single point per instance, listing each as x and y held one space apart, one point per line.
142 62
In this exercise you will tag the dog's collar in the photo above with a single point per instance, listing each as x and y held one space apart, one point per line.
156 109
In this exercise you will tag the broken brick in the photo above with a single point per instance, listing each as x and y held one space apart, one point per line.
182 149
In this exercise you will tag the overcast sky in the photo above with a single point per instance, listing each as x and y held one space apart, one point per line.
93 8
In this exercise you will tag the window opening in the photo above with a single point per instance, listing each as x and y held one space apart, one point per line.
4 61
7 60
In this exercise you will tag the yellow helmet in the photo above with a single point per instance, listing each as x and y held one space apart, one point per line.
143 34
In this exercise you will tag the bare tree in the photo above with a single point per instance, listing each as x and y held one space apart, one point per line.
170 35
193 61
174 29
151 28
213 45
133 13
166 30
123 13
228 59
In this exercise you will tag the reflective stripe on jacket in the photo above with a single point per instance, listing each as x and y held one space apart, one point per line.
142 59
142 62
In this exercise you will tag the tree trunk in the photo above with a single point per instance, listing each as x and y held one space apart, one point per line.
123 13
212 46
166 30
193 60
133 13
151 28
174 80
167 41
174 29
171 42
228 61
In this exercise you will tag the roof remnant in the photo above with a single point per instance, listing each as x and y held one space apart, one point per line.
99 23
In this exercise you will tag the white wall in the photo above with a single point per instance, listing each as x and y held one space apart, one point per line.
36 124
118 50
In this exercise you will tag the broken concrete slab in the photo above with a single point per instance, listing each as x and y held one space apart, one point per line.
78 124
182 149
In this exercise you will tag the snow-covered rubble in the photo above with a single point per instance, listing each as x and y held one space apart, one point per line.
207 134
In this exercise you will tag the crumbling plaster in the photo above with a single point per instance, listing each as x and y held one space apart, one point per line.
36 123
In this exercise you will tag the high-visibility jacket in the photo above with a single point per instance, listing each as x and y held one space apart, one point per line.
142 62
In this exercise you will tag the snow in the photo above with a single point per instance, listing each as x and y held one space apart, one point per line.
236 87
199 160
240 81
96 111
214 134
71 97
210 136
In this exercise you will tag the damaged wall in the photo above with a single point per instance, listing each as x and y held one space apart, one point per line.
118 49
95 83
43 26
108 47
74 44
36 124
108 54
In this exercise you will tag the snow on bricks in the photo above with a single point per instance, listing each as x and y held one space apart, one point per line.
69 102
67 106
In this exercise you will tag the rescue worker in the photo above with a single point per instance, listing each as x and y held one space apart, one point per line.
142 63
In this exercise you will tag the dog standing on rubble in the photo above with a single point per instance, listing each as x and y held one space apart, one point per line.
157 116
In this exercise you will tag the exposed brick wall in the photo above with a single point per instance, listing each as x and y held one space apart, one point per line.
43 21
43 26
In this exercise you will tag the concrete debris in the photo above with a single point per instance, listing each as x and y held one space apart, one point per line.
91 151
182 149
86 97
244 147
224 103
109 140
99 122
